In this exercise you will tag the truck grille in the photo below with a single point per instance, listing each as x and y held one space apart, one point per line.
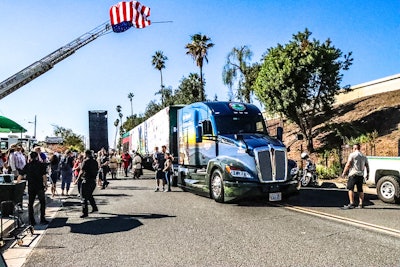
271 164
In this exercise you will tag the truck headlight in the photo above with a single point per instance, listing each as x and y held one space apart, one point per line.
238 172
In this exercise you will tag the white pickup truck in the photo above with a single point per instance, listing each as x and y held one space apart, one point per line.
385 176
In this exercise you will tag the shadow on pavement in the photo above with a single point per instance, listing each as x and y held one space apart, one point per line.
105 225
313 197
320 197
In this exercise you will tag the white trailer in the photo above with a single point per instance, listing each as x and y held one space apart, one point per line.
158 130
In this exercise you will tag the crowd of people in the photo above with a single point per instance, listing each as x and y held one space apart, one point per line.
84 169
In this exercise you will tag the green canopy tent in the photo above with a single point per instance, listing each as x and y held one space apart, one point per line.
9 126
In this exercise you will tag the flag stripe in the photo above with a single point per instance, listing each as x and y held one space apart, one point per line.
127 14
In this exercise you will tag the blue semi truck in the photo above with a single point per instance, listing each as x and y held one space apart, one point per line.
221 150
226 153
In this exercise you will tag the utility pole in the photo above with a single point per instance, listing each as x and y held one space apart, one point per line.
34 127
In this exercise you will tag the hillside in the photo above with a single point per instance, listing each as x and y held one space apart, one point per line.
379 112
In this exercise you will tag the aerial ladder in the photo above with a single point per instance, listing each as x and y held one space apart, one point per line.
33 71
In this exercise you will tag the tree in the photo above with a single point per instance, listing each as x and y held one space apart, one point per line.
158 62
301 79
71 140
121 130
133 121
116 123
235 69
198 49
151 109
130 96
189 90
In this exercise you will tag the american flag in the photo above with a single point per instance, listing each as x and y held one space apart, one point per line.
127 14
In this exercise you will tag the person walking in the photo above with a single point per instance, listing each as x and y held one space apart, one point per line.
113 165
137 165
88 173
159 159
76 169
67 164
35 172
127 161
104 161
54 172
168 170
354 167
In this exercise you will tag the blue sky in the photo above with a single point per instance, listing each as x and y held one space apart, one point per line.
100 75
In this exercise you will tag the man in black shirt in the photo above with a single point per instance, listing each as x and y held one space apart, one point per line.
88 173
159 158
35 172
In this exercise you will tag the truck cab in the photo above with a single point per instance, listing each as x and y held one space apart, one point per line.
225 152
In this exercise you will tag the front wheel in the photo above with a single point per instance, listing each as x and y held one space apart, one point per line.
305 180
388 189
217 186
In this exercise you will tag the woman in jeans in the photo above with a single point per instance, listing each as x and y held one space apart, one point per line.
168 170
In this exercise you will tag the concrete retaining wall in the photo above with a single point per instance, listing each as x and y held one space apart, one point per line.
387 84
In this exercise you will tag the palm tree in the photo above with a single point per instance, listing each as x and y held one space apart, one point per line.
120 116
198 49
237 65
130 96
119 108
158 62
116 123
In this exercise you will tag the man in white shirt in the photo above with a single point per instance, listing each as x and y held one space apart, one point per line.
355 166
11 161
19 158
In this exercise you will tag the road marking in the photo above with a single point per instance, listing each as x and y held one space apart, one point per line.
365 225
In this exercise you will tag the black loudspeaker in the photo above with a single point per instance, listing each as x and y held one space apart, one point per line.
98 130
7 208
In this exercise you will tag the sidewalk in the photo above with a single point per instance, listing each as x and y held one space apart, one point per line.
9 224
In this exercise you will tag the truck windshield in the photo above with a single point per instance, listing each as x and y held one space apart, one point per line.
240 124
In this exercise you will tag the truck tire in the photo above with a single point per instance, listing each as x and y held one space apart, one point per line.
217 186
388 189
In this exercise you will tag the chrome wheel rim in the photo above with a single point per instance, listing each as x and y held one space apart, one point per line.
387 190
305 181
216 186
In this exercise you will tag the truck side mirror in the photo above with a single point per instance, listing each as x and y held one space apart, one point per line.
279 133
199 134
207 127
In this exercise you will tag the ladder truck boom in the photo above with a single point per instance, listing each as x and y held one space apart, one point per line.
36 69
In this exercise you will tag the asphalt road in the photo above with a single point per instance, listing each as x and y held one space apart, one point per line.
136 226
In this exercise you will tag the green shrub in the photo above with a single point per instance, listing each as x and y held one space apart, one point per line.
331 172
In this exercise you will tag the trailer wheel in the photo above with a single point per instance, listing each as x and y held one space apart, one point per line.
217 186
388 189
